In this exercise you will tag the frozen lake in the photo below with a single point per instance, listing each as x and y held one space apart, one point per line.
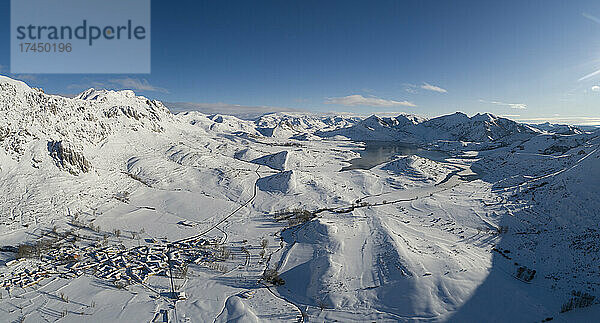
379 152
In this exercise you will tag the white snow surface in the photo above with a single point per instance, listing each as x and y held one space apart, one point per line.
410 240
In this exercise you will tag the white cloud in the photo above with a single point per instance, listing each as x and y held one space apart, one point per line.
429 87
596 88
26 77
589 75
510 105
137 84
359 100
122 83
573 120
240 111
385 113
410 88
590 17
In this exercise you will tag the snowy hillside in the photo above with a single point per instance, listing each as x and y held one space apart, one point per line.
482 128
288 125
115 209
562 129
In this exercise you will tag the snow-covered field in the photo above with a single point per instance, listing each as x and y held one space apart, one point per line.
119 210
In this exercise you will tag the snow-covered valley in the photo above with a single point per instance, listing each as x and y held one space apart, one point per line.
115 209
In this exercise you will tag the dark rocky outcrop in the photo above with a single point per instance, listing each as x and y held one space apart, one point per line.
67 158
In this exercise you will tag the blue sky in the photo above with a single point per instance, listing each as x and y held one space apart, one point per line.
524 59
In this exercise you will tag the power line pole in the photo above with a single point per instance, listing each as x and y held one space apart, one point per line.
173 296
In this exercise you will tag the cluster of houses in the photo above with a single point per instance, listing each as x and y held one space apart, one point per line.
25 275
118 264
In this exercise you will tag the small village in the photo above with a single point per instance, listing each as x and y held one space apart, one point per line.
65 256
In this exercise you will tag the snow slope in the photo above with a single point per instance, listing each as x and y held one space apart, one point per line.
410 240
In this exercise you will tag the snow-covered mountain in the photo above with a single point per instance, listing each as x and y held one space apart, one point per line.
29 117
563 129
106 192
299 125
481 128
